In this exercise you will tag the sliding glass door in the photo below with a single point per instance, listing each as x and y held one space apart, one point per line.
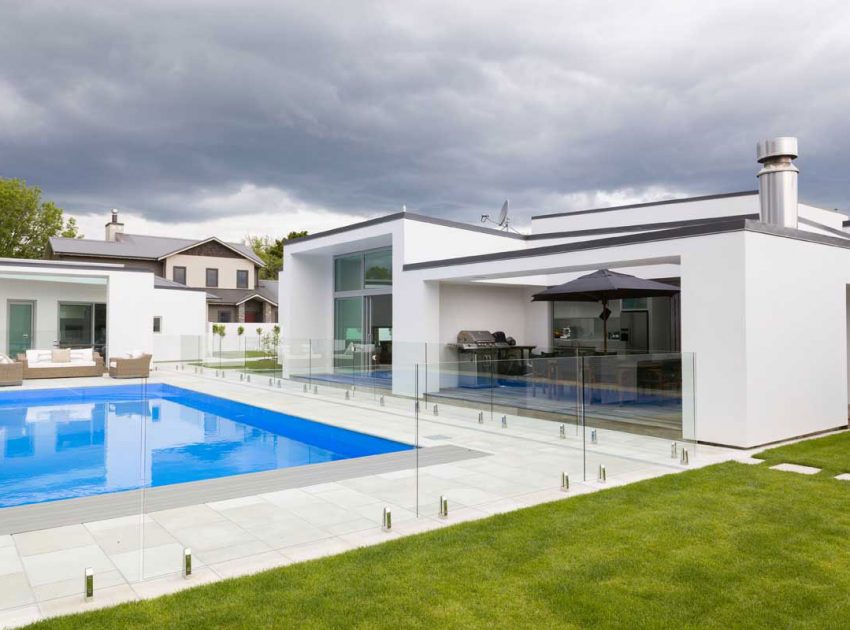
363 311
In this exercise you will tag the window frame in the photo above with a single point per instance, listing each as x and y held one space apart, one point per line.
247 275
174 274
157 324
207 277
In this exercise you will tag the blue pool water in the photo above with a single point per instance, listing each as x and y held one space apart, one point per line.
65 443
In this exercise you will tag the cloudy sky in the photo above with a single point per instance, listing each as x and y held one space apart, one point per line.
225 117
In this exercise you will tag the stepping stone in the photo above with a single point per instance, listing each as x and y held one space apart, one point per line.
803 470
752 461
843 477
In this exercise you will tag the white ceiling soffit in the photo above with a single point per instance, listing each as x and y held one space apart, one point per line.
60 278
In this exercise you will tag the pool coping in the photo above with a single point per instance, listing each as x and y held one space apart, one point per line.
38 516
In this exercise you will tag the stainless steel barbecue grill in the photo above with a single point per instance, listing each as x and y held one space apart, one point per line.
481 358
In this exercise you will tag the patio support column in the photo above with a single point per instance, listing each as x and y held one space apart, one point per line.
240 313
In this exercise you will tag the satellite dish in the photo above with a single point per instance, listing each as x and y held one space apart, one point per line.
503 221
503 213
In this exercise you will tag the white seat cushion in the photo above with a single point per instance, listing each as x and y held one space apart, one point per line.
38 356
71 365
82 354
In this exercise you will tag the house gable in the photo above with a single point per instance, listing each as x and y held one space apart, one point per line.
212 248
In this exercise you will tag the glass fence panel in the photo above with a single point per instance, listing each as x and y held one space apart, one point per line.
640 407
264 471
497 434
73 469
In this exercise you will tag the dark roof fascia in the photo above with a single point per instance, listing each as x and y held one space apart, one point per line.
110 256
823 227
635 228
523 237
647 204
170 288
405 215
798 235
703 229
95 266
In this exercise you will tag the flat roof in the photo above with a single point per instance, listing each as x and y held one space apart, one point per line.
62 264
647 204
719 226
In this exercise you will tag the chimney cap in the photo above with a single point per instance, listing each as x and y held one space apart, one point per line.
776 147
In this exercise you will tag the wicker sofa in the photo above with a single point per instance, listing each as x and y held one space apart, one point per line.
11 374
38 364
126 367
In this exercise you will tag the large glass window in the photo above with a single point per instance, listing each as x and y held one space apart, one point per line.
348 273
76 324
378 268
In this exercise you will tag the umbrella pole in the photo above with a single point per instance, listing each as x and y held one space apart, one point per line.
604 327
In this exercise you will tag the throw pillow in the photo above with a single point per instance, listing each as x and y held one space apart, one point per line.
60 355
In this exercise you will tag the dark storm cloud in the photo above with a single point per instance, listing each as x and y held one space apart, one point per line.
448 108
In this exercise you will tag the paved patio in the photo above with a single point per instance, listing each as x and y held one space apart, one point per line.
139 556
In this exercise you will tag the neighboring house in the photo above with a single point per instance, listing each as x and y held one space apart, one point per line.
228 271
761 320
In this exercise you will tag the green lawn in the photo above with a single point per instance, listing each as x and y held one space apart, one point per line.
730 546
831 453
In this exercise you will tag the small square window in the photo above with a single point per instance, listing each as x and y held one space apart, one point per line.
212 277
178 274
241 278
157 323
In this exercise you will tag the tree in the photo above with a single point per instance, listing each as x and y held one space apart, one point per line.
271 252
27 222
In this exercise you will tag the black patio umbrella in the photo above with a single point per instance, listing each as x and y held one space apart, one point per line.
601 286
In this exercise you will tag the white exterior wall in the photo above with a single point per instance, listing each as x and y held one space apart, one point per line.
685 210
46 296
130 298
184 315
196 269
796 344
429 241
728 206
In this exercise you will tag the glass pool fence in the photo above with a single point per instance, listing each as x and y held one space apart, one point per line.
216 466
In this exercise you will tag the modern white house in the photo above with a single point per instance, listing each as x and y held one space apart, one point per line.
761 320
114 308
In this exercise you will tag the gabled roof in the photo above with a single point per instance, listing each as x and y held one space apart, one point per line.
140 247
265 291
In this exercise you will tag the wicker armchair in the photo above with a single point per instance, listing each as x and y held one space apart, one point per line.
11 373
130 368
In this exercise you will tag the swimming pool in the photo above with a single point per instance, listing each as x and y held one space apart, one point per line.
67 443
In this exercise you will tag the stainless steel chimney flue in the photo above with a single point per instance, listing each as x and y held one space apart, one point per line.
778 181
